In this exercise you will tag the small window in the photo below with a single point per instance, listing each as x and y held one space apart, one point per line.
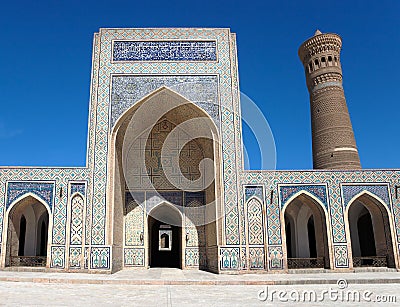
310 67
165 239
323 62
329 61
316 62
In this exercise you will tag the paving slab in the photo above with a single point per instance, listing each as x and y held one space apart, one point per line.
45 294
170 276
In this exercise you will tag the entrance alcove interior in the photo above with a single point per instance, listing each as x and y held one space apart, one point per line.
370 232
157 116
27 233
306 233
167 219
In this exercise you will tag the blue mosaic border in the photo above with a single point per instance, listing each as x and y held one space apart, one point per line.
164 51
287 191
127 90
44 190
78 188
351 190
250 191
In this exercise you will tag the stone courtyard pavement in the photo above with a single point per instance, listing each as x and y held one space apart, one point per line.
174 287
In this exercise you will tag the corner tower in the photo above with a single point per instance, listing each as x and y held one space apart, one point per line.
334 145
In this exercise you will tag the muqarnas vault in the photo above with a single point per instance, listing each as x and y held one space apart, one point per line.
164 108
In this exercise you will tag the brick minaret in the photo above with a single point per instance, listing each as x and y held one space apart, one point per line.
334 146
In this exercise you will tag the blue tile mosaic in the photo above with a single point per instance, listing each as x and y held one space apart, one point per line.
100 257
165 51
190 196
136 197
253 191
154 198
229 258
381 190
78 188
318 191
201 90
44 190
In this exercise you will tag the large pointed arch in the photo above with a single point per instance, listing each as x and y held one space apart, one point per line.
296 214
375 245
35 212
26 195
155 106
170 206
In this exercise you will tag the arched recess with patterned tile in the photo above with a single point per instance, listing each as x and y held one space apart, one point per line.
165 148
255 230
371 231
27 234
306 232
76 230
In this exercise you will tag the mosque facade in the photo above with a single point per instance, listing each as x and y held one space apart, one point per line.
165 184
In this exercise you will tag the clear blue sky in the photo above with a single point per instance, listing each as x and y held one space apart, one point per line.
45 62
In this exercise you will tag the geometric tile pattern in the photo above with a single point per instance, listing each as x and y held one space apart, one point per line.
128 90
194 215
164 51
336 213
192 257
349 191
100 257
134 222
174 197
88 220
60 222
273 222
275 257
1 223
86 258
75 257
57 257
317 190
76 226
44 190
255 222
341 256
396 215
232 148
190 156
229 258
78 188
134 257
243 258
253 191
256 258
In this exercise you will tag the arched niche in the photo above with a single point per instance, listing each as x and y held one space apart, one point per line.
158 119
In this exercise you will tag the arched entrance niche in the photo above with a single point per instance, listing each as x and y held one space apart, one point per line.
306 233
370 232
165 223
174 154
27 232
